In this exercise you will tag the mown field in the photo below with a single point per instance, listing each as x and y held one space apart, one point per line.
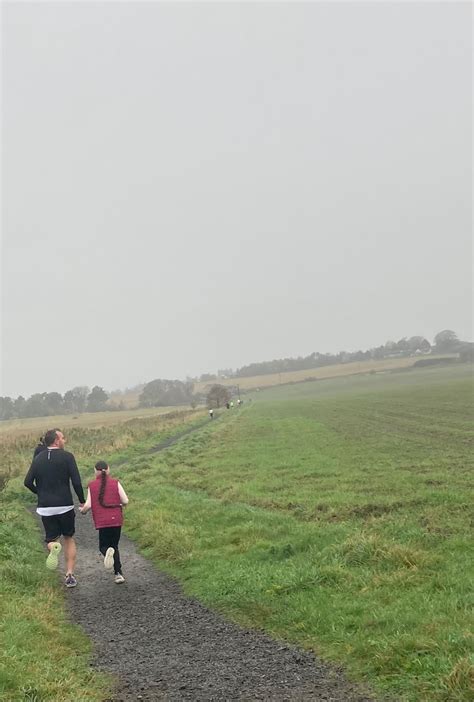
334 514
322 373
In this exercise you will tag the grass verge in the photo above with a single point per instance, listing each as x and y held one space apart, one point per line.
42 655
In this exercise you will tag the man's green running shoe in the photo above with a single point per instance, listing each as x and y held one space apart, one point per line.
53 558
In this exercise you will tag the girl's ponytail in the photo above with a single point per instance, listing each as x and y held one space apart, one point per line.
102 466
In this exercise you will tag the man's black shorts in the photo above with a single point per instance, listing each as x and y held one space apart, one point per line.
59 525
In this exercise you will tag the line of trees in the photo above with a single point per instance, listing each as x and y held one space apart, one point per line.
46 404
164 393
402 347
445 341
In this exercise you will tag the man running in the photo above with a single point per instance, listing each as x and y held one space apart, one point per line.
49 477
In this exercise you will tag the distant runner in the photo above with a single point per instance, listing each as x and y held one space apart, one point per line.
106 497
49 477
211 413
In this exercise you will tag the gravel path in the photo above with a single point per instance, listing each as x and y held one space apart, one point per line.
162 645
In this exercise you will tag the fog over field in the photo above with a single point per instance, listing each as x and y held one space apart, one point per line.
189 187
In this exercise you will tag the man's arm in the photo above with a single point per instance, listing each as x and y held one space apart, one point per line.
29 481
76 479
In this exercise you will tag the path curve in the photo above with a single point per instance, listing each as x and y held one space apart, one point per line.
162 645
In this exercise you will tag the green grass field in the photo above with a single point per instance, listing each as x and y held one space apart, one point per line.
335 514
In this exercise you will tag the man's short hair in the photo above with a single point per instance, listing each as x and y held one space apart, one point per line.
50 436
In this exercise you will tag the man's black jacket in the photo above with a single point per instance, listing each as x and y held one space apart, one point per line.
50 475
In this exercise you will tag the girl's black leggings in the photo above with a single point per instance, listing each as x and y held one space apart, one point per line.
109 537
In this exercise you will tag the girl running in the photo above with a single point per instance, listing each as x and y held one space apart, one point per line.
106 496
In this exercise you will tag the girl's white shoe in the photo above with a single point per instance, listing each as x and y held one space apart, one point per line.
109 559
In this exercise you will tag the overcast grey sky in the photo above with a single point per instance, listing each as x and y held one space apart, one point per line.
188 187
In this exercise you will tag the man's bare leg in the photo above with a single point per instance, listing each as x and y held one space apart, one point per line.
69 554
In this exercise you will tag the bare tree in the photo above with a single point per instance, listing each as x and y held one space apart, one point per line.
217 396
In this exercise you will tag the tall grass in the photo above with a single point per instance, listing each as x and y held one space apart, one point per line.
88 442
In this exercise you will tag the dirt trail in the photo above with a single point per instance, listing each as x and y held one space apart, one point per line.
162 645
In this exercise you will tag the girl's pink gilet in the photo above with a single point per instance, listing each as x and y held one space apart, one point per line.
106 516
